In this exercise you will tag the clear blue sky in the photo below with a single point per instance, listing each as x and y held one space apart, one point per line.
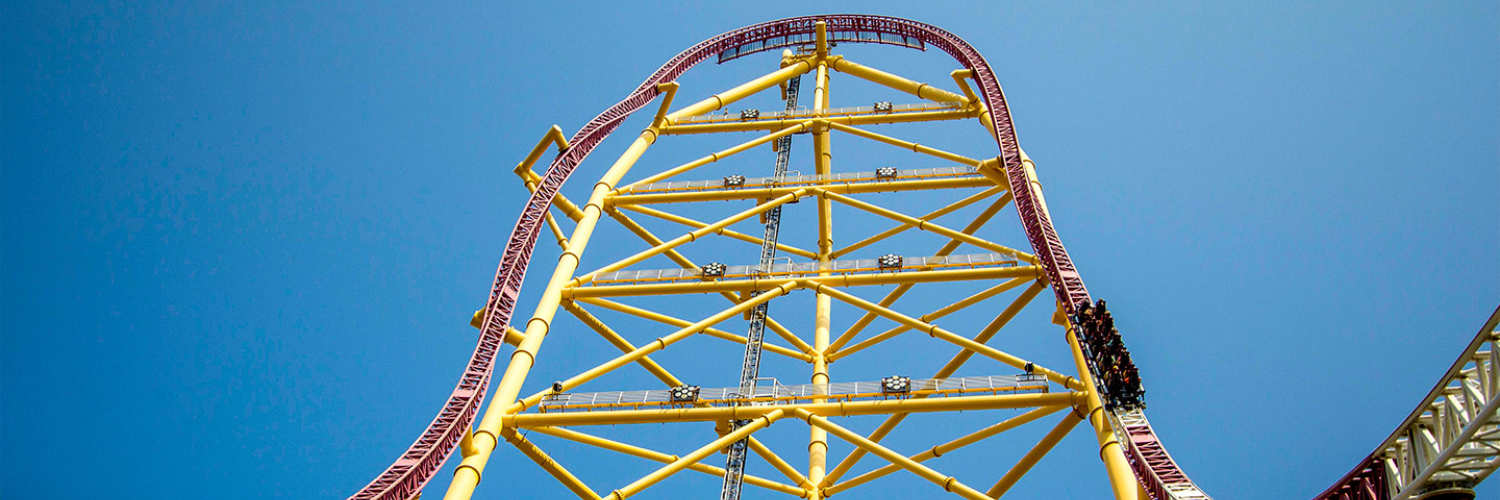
241 242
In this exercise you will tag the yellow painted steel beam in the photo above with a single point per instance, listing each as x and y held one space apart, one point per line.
994 326
557 232
949 483
970 181
923 225
669 92
945 210
919 89
512 335
531 180
681 323
719 155
947 370
686 263
657 456
778 463
945 448
850 119
829 409
817 439
895 294
954 157
548 464
699 454
554 135
655 345
843 280
929 317
689 237
598 326
484 439
960 76
1035 454
696 224
941 333
1121 477
718 101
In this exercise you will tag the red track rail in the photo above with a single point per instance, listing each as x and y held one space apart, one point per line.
405 478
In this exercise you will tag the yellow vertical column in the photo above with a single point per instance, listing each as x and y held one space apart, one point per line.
817 445
1121 477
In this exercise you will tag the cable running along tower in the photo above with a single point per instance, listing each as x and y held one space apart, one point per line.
1096 381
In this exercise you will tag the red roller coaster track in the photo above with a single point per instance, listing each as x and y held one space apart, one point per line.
1154 468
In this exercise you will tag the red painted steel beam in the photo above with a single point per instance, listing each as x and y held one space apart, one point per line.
404 478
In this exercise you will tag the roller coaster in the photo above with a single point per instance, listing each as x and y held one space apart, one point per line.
1446 446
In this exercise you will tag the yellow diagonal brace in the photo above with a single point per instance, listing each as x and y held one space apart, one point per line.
657 456
940 333
548 464
656 345
921 90
1036 453
697 455
929 317
947 248
952 207
947 370
905 144
775 460
992 328
722 99
947 482
679 322
928 226
691 236
609 334
940 450
686 263
716 156
553 135
696 224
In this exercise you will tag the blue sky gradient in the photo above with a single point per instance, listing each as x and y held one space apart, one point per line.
241 242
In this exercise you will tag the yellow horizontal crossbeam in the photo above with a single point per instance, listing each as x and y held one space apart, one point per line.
833 409
844 280
840 186
865 118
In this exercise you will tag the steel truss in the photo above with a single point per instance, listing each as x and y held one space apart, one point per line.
1449 443
1140 468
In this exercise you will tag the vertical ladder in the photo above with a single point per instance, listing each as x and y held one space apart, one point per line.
734 468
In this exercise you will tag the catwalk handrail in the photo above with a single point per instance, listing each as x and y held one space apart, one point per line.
405 478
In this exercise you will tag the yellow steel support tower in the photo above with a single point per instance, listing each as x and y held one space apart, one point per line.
829 277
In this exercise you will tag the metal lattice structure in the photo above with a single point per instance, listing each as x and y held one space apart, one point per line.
1134 459
1449 443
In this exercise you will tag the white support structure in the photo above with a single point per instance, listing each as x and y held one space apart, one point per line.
1452 440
